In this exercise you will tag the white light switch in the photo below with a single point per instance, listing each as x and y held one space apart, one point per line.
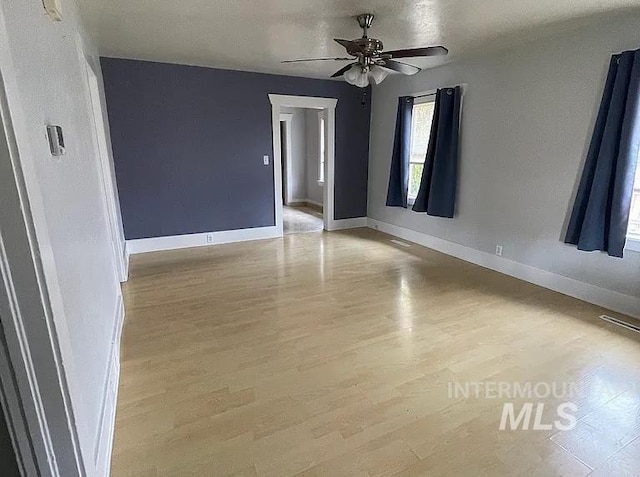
265 160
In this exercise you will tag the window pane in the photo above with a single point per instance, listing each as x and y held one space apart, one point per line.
421 128
415 174
634 216
420 132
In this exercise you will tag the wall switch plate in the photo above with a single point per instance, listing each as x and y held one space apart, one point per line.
56 140
499 250
265 160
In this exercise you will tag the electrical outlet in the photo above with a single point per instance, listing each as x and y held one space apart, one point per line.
209 238
265 160
499 250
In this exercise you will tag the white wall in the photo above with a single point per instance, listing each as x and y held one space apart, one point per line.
304 160
314 191
47 84
526 124
296 160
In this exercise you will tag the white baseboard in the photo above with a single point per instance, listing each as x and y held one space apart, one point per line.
106 426
354 223
603 297
173 242
313 202
296 201
125 248
304 201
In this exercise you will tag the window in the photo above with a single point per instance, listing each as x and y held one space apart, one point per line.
321 140
633 232
421 119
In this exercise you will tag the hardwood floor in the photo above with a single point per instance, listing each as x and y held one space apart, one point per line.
332 354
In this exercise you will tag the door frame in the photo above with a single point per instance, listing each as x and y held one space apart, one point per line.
106 171
279 101
34 389
287 118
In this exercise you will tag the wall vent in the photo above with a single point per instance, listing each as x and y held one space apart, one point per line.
625 324
401 243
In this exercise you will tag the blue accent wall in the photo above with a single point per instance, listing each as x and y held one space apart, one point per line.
188 145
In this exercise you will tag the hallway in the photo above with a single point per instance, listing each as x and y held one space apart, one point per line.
302 219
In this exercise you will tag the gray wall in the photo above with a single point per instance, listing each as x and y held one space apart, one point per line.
527 119
188 145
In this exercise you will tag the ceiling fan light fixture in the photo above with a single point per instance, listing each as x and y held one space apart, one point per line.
353 74
363 80
377 74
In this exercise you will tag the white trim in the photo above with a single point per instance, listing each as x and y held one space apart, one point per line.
354 223
106 428
40 378
127 257
314 202
329 105
609 299
107 182
632 245
174 242
426 98
305 201
296 201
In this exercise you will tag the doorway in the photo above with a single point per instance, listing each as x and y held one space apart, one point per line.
324 111
303 156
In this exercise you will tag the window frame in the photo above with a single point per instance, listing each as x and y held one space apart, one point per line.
633 241
423 99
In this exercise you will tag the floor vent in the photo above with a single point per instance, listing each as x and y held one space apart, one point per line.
401 243
625 324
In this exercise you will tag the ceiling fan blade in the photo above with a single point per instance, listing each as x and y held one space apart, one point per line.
341 71
413 52
349 45
403 68
316 59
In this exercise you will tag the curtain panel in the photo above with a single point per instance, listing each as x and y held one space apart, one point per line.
438 186
399 174
600 213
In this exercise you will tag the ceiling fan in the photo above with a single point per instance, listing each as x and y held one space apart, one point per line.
372 65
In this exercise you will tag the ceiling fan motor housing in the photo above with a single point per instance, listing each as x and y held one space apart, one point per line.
365 47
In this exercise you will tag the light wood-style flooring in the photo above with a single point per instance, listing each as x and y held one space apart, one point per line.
332 354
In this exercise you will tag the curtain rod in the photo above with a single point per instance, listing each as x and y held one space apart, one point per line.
433 92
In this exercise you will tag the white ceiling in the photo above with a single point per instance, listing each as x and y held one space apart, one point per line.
255 35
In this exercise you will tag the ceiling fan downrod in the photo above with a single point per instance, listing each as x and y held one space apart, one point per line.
365 21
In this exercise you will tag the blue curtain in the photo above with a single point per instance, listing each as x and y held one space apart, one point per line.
399 175
601 211
437 193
